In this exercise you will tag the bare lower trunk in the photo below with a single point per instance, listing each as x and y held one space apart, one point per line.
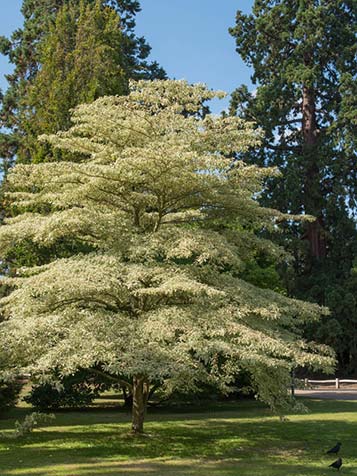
316 236
128 398
140 396
314 233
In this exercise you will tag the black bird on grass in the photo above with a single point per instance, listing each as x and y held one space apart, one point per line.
336 464
335 449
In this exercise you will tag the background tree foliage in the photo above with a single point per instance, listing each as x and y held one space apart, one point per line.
81 60
149 185
303 54
68 52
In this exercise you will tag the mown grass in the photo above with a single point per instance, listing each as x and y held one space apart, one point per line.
240 438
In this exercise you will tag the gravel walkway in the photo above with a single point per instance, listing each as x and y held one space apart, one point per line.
328 394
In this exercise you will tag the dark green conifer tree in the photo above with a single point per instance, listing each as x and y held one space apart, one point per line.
33 48
81 59
303 54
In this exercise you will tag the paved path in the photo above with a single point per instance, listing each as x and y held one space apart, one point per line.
328 394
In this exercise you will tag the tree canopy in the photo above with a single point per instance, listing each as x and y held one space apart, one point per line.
68 52
82 58
171 222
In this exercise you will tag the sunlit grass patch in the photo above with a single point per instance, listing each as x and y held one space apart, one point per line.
226 439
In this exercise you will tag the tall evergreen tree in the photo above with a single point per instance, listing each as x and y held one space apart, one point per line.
82 59
303 54
29 47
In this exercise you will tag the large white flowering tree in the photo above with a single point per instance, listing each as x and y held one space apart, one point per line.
170 221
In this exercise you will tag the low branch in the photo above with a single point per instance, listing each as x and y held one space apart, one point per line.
293 148
118 380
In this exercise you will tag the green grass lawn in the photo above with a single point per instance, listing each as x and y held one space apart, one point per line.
229 439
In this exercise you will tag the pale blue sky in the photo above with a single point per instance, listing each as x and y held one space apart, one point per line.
189 38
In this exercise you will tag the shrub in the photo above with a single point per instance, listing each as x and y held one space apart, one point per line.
73 391
9 394
25 427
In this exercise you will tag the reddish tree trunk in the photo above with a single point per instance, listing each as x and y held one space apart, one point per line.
314 233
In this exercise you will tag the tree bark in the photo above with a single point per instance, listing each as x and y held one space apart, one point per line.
314 233
140 397
128 398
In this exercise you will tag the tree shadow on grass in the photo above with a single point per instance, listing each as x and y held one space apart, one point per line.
226 445
97 415
256 467
247 442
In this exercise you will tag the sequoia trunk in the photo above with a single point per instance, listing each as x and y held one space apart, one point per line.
314 233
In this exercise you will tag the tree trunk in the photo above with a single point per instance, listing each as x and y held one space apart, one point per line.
128 398
140 397
314 233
